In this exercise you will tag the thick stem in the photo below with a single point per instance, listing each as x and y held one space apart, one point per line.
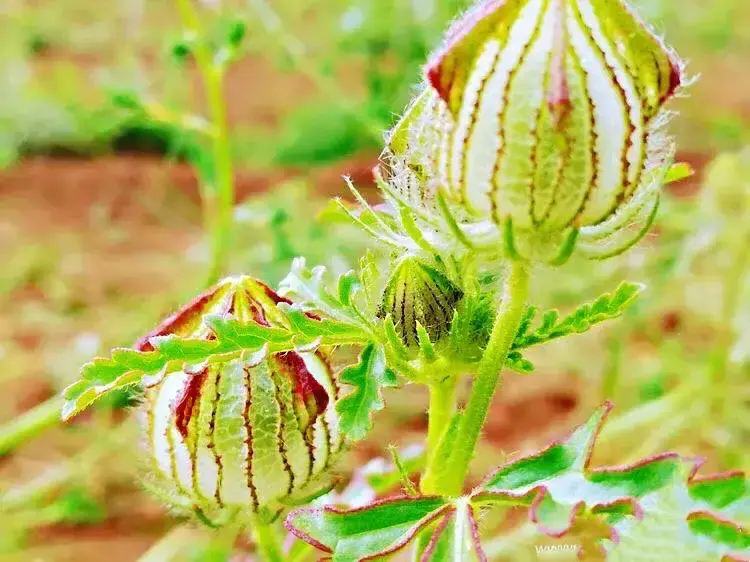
450 480
442 408
218 197
267 542
29 424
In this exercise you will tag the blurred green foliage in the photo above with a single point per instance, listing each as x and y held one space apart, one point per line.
362 59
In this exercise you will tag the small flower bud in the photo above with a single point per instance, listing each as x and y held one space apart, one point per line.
240 435
545 114
418 294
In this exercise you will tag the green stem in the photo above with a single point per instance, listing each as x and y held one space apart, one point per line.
267 542
29 424
451 478
442 408
733 285
218 199
441 411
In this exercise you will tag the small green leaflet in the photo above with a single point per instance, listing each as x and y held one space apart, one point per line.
307 287
678 172
585 317
368 377
386 527
172 353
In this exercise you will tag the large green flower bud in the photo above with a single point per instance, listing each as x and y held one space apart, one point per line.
542 118
241 435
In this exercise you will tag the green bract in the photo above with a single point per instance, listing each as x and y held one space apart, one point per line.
239 435
541 125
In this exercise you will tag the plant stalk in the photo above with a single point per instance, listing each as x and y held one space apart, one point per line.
217 191
29 424
449 478
267 542
442 408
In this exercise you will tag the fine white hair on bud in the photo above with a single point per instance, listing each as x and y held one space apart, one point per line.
544 118
239 436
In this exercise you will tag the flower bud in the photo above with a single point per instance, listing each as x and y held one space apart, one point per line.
544 114
240 435
418 294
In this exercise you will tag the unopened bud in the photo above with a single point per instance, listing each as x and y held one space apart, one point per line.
419 294
546 114
241 435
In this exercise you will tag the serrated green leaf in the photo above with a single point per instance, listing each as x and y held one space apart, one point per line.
128 367
368 378
729 494
308 289
348 285
519 363
585 317
331 331
558 481
161 354
668 530
367 533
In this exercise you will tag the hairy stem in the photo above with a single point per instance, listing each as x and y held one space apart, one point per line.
442 408
218 190
267 542
450 479
30 424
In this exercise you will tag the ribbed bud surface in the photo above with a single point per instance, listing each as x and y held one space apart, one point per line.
417 293
240 435
546 112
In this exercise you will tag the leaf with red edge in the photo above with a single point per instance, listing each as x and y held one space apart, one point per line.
659 508
456 537
369 532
